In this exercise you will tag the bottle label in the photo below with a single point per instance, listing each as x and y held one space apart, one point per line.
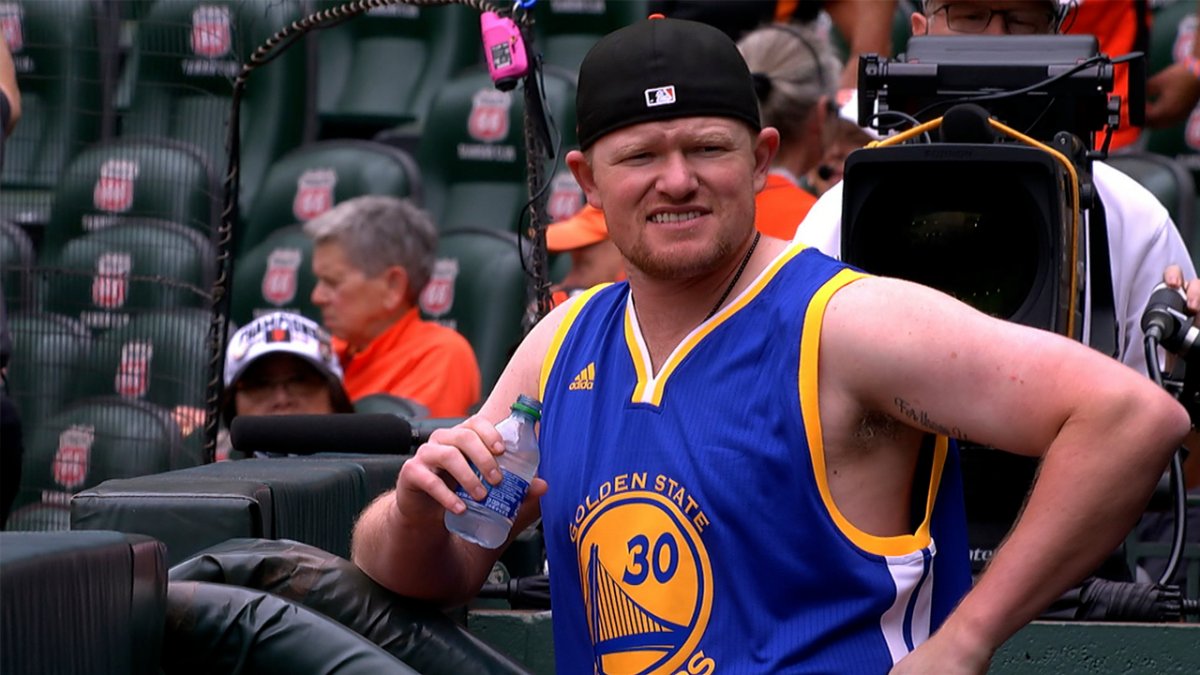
505 498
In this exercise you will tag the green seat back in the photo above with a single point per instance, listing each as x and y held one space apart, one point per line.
159 356
126 180
104 277
312 178
472 150
1171 35
1167 180
189 51
392 405
49 354
16 267
93 440
478 288
274 275
58 62
382 68
566 29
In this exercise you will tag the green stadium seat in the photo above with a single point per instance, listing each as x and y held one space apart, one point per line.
381 69
565 30
478 288
1167 180
187 53
276 275
309 180
391 405
49 351
16 268
60 68
160 356
91 441
1171 35
115 182
472 150
104 277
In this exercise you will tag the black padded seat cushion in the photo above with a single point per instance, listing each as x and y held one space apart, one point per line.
417 633
81 602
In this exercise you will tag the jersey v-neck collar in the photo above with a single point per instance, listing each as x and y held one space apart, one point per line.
650 385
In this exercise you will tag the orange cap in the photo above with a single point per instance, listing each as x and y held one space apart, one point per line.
585 228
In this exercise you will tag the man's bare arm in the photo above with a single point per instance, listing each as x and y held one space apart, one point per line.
401 540
8 85
1105 434
867 27
1173 92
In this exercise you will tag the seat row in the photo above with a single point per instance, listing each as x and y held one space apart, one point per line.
374 72
469 170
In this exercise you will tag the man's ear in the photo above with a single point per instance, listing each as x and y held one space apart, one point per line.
920 23
766 146
582 170
396 292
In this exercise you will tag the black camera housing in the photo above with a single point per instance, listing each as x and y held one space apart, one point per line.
922 213
988 219
1063 79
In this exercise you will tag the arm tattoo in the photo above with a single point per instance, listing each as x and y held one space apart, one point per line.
921 418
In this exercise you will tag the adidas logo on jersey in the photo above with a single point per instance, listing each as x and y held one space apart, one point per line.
583 381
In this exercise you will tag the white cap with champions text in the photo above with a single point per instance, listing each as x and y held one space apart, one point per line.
281 332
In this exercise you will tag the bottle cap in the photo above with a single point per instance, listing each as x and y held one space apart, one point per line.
529 406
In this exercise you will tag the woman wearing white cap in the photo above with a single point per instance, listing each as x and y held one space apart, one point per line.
282 364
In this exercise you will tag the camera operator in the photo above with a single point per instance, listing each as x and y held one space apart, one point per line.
1143 241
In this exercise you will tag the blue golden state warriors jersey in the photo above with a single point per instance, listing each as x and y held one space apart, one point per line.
688 523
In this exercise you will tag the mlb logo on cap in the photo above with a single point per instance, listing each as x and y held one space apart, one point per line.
660 96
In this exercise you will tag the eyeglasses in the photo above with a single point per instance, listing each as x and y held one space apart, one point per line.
971 18
300 384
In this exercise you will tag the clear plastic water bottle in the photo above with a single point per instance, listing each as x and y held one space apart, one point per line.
487 523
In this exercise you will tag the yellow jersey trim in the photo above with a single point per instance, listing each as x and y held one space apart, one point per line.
810 407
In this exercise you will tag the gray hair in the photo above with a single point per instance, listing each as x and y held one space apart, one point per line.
378 231
793 67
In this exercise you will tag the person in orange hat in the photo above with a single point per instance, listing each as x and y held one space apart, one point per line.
594 258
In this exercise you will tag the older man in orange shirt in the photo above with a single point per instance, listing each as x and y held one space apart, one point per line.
372 255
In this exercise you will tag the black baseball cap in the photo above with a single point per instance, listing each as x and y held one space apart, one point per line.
661 69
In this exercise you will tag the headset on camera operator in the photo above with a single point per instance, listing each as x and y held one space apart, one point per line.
1004 206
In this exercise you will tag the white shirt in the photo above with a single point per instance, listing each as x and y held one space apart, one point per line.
1142 242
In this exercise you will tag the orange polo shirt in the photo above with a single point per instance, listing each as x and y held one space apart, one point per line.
418 360
781 206
1120 26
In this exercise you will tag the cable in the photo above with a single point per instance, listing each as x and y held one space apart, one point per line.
275 45
1175 477
902 115
994 96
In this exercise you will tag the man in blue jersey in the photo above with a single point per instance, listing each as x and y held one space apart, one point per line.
745 464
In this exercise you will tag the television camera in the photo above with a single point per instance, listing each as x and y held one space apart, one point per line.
982 188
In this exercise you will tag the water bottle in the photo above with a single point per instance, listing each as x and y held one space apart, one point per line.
487 523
